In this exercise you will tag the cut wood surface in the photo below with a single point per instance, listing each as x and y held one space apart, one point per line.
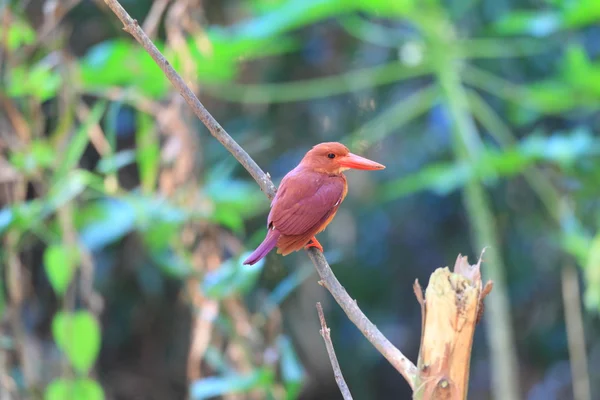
451 308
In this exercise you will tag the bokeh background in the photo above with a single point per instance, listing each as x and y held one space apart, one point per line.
122 220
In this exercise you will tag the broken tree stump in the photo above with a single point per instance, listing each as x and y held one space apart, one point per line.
451 308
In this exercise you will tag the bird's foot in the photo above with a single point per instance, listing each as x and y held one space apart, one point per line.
314 243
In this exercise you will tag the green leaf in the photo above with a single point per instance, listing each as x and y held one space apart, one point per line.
228 217
592 275
220 385
70 186
152 210
148 152
534 23
24 215
234 199
291 368
443 178
20 33
78 336
231 277
80 140
39 80
293 14
580 73
104 222
113 163
581 13
80 389
60 263
38 155
102 67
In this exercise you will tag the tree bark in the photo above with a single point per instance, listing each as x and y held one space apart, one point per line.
451 309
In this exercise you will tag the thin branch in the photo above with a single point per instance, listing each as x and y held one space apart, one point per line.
337 371
575 334
367 328
153 19
132 27
370 331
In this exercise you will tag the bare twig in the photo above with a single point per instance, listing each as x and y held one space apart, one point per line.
153 18
575 334
131 26
337 371
95 132
370 331
354 313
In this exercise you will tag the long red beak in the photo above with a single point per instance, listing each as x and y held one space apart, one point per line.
358 162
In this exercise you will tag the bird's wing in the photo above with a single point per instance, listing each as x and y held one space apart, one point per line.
305 200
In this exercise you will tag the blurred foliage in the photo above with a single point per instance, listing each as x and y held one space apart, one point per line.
102 170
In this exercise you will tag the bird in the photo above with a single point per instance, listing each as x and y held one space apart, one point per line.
308 198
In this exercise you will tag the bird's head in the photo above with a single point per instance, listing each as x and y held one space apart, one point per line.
333 158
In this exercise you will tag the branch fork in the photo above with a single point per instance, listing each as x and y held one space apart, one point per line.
452 304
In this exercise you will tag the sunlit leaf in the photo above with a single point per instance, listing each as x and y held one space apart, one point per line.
113 163
68 188
103 67
105 221
60 263
38 155
563 149
79 389
553 96
158 236
580 72
230 195
108 220
219 385
228 217
78 336
581 13
534 23
40 80
20 33
216 58
24 215
292 14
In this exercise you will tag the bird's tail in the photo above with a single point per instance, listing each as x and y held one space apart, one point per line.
265 247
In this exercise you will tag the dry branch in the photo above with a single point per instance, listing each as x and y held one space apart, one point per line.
354 313
370 331
132 27
337 371
575 334
451 309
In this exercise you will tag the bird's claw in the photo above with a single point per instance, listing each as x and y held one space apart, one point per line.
314 243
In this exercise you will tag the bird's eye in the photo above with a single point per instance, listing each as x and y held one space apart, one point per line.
331 155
